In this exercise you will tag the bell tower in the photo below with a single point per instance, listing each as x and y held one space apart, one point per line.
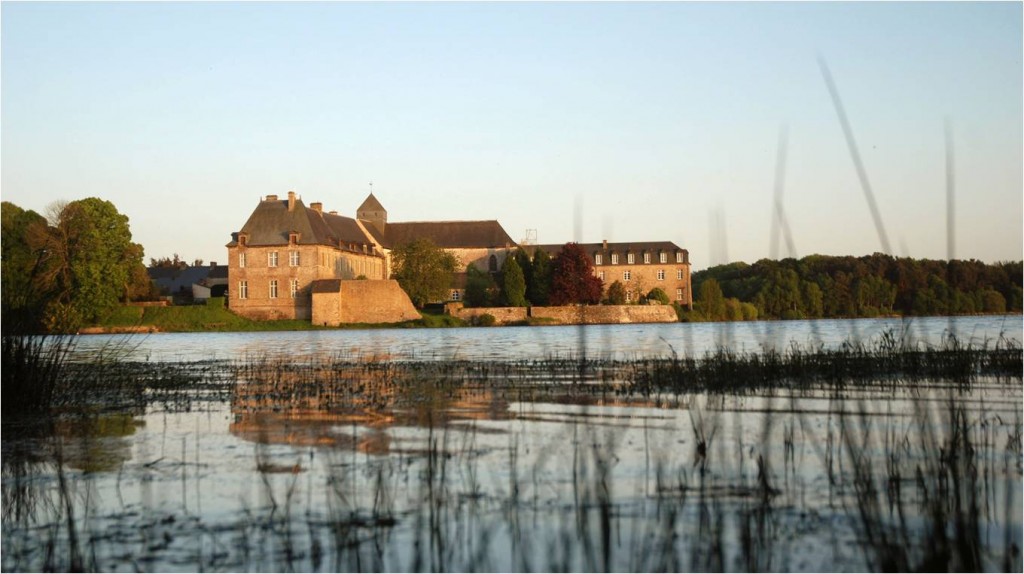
373 212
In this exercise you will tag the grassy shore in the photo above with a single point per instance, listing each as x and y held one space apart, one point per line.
215 317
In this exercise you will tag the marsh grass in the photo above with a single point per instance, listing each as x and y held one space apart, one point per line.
932 490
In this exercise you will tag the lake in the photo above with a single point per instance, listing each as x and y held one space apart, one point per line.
511 343
300 464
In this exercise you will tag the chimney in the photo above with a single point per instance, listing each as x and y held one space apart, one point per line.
271 198
213 264
291 200
317 207
604 244
333 212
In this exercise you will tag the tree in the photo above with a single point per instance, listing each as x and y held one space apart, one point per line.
710 301
89 263
513 284
540 281
480 288
23 299
424 270
616 293
523 259
658 294
572 278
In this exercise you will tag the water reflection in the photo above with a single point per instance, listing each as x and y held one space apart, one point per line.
352 406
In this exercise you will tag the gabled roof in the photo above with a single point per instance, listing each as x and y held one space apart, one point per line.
271 223
371 204
449 234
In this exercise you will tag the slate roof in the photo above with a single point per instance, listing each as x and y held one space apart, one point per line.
449 234
636 247
271 223
176 279
371 204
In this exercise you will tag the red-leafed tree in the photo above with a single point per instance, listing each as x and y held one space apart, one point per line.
572 278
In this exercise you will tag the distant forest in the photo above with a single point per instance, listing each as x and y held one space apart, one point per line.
819 286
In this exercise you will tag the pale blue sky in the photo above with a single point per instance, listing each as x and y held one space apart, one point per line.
655 118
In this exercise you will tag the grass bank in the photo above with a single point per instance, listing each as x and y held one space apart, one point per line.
214 316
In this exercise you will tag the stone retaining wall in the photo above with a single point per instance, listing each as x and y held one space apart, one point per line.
502 315
607 314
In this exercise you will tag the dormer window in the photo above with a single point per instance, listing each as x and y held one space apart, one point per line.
615 258
293 237
663 257
243 239
647 257
597 259
630 259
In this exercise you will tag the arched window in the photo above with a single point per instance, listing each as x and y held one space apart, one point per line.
492 264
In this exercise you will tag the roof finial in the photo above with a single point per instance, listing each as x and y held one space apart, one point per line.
371 188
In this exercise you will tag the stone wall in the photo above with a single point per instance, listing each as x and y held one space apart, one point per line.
502 315
607 314
338 301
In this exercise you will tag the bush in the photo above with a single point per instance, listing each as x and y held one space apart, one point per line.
658 295
485 320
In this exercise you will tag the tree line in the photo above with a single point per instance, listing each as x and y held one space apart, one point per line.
68 269
819 286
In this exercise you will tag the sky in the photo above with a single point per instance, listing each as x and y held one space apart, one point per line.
581 121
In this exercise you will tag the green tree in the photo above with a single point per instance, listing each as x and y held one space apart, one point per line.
710 301
481 289
89 264
658 294
513 284
526 265
616 293
540 281
22 296
572 278
424 270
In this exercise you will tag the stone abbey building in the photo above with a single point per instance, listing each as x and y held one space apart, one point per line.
289 257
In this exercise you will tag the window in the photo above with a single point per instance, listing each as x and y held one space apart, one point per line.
273 288
272 259
492 264
600 275
293 258
679 294
627 275
597 259
629 296
455 295
243 290
663 257
630 259
679 257
647 257
661 274
241 259
679 274
295 288
615 258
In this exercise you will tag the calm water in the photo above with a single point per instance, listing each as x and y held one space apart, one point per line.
507 343
463 481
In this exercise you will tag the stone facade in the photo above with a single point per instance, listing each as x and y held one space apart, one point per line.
286 247
640 267
282 250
